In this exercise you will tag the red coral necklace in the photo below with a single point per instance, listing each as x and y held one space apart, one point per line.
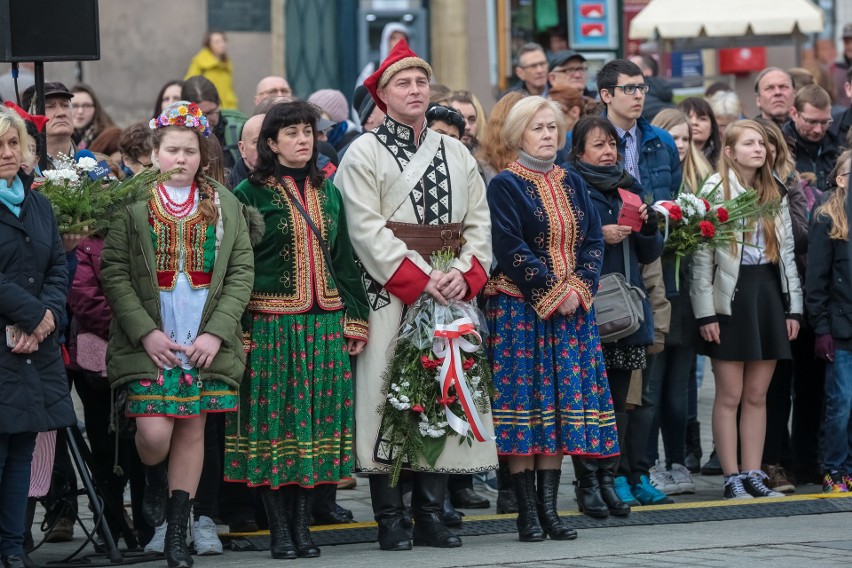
173 208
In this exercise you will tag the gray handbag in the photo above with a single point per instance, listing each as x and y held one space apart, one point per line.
619 307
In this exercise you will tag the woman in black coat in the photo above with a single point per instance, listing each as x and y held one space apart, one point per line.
594 155
33 283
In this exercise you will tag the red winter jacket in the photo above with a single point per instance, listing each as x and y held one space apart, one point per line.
90 311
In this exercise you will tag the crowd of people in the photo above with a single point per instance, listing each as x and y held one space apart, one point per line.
235 307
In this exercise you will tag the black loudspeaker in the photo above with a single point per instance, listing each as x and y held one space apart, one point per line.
49 30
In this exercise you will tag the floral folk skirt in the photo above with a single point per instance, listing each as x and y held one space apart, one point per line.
552 392
296 412
179 393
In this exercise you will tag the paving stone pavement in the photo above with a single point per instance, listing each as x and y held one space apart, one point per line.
797 541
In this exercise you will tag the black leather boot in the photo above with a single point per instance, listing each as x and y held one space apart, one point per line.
305 547
280 542
506 500
427 502
156 493
588 491
529 528
692 461
388 510
178 507
606 478
449 515
547 492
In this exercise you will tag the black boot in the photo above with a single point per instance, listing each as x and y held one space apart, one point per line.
529 528
449 515
280 542
606 478
305 547
547 492
692 461
427 502
156 493
388 510
178 508
506 500
588 490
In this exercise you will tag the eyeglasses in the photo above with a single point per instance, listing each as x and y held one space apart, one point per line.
82 106
534 65
571 70
814 122
631 89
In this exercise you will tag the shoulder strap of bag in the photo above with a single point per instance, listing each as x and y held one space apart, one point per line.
325 252
625 246
398 192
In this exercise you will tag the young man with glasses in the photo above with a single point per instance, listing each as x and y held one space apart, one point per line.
809 138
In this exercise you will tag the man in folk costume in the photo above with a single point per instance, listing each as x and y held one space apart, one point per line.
408 191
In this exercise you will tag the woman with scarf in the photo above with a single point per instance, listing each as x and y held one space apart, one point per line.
594 156
552 395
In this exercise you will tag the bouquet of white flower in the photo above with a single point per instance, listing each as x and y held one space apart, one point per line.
86 199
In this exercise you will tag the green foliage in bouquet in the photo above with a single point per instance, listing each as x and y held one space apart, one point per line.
86 206
414 421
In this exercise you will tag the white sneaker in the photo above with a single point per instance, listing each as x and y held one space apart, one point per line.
663 481
683 478
206 539
158 542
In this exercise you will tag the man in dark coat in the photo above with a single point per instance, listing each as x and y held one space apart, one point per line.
813 145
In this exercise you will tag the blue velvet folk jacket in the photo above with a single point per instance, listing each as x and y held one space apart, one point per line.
644 249
546 238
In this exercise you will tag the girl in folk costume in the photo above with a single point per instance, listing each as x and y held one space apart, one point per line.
307 315
748 303
177 270
404 183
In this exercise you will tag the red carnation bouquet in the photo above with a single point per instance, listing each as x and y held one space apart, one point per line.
438 383
690 222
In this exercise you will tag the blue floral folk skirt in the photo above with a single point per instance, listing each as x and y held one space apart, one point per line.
552 391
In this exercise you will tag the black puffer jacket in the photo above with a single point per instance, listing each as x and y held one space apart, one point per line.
34 394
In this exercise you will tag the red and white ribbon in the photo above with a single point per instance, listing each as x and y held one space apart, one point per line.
448 343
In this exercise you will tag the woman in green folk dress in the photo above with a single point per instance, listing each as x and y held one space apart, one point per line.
305 319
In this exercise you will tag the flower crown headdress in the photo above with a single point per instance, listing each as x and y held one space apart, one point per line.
182 113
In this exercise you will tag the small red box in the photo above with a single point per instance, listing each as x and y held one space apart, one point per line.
742 60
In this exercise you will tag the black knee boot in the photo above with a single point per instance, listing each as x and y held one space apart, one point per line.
529 528
305 546
606 478
506 501
178 508
588 490
389 513
547 491
427 502
280 542
156 493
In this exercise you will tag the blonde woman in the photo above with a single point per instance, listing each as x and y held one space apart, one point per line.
827 285
695 166
748 303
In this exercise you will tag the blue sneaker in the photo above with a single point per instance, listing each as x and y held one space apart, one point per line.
622 489
647 494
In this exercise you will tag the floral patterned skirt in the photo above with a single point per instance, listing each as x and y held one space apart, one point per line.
552 392
179 393
296 412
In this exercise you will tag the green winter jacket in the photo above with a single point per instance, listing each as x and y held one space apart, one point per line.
130 285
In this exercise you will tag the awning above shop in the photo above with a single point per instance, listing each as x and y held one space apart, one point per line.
715 19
